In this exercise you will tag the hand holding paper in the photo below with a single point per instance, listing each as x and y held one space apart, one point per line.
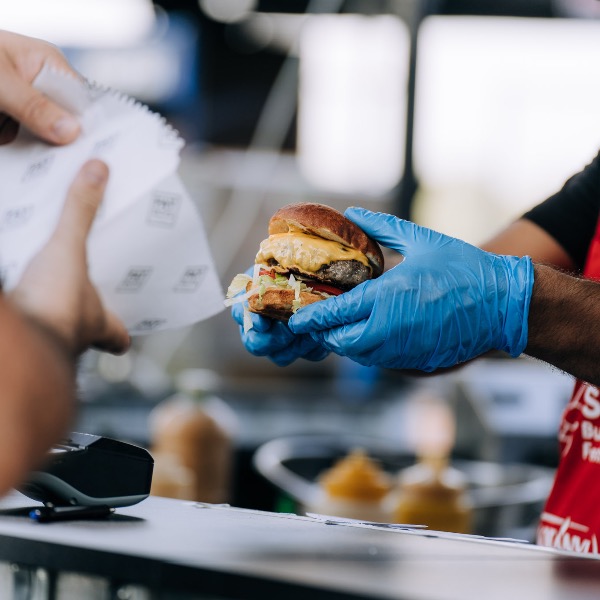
148 253
55 289
21 59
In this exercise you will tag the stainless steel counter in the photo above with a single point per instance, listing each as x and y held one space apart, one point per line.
175 549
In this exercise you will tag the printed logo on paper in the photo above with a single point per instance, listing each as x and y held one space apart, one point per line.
191 279
164 209
147 325
16 217
135 279
38 169
105 144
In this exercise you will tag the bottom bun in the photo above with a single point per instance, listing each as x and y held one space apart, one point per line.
279 303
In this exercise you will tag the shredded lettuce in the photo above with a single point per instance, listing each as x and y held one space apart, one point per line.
240 298
296 285
260 284
247 320
256 273
238 284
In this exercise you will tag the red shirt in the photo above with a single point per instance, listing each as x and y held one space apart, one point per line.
571 517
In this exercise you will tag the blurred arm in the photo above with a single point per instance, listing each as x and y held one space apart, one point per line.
523 238
564 316
564 323
37 387
52 315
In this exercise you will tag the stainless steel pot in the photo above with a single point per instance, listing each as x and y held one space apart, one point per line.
506 498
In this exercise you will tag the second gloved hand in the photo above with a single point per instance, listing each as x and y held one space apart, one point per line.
446 303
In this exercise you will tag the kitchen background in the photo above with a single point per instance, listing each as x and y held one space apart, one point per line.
459 114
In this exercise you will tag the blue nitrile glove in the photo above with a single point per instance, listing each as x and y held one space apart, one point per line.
274 339
445 303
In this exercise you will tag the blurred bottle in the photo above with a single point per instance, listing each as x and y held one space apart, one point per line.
431 492
170 478
355 488
192 440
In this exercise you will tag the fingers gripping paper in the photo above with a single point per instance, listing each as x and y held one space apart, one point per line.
148 253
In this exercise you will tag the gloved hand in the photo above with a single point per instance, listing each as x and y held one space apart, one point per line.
274 339
445 303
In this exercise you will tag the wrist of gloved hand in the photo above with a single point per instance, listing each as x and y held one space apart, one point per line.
512 336
445 303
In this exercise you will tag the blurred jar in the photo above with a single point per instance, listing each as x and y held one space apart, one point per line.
170 478
431 492
355 488
434 494
192 436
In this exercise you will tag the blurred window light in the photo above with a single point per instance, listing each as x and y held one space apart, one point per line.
148 73
160 70
227 11
506 110
352 102
80 23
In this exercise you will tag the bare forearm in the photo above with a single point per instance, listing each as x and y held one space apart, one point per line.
564 323
37 383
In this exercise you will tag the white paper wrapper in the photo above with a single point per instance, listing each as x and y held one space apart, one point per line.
148 252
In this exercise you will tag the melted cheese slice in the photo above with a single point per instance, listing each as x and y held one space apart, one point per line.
306 252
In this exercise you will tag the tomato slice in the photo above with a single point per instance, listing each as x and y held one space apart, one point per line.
270 273
323 287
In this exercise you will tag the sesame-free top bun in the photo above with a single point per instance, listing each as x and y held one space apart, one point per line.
328 223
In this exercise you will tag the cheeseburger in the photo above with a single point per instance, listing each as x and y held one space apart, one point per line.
312 253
